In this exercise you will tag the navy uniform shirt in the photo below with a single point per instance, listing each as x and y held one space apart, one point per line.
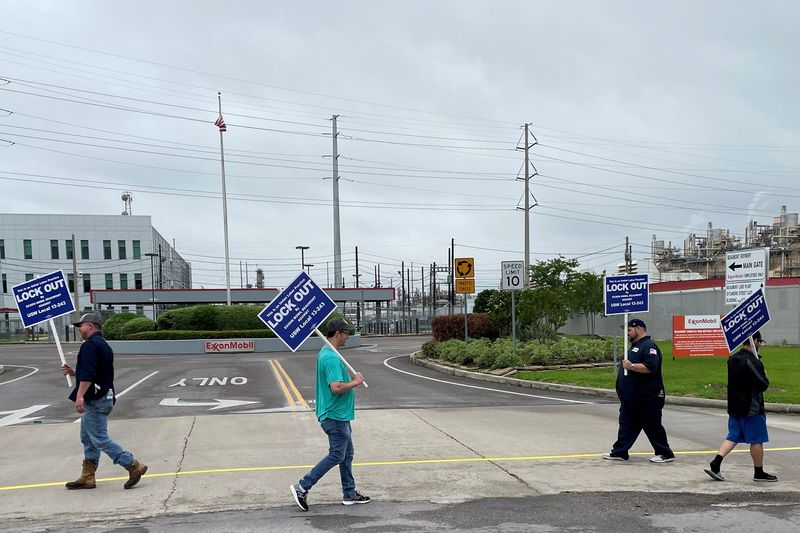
95 364
636 385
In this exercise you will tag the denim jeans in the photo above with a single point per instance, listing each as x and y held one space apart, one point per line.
340 452
94 434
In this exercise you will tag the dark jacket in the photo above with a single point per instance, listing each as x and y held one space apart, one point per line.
747 382
637 386
95 364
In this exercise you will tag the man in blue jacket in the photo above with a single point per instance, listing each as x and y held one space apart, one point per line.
747 419
641 396
94 399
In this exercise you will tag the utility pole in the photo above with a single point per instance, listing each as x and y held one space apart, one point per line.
451 281
628 256
408 293
222 129
403 287
337 240
75 279
527 208
359 305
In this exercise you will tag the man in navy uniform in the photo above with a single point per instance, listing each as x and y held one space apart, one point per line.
641 396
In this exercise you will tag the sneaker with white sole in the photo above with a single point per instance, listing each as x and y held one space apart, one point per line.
611 457
662 459
765 477
716 476
299 497
358 498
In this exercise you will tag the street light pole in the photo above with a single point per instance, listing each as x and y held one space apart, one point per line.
302 255
151 255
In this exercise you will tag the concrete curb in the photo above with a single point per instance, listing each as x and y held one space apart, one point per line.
589 391
2 369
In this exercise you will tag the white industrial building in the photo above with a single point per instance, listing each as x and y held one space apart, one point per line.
109 251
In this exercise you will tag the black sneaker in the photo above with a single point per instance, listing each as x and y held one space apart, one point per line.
765 477
358 498
299 497
612 457
716 476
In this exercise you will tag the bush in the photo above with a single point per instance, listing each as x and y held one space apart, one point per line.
112 328
452 327
453 350
181 318
238 317
429 349
175 334
137 325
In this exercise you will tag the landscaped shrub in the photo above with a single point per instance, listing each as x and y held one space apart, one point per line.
175 334
429 349
452 350
137 325
181 318
112 328
448 327
238 317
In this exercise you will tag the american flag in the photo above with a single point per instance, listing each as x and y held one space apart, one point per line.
220 123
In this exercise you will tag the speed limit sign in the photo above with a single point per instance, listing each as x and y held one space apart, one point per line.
512 275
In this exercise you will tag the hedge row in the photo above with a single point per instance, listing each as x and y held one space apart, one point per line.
212 318
497 354
175 334
448 327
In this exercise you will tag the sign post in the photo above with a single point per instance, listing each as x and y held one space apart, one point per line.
512 279
464 268
297 311
745 273
43 299
626 294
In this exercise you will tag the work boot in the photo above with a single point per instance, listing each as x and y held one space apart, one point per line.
86 481
135 471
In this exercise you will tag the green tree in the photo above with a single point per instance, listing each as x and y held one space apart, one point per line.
586 297
482 301
546 306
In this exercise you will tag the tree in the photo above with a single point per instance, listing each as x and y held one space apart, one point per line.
546 306
482 301
586 297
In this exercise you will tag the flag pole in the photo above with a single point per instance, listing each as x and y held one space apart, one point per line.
221 124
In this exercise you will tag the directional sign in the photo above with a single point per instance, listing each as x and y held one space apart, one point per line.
43 298
736 293
746 265
296 312
464 267
465 285
512 275
747 318
626 294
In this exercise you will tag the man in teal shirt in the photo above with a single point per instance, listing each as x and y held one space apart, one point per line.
335 408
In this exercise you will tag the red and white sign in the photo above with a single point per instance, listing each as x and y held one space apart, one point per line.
698 336
230 346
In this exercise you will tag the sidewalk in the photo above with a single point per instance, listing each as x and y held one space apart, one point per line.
224 462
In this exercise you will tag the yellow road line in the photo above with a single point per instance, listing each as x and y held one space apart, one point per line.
386 463
299 396
289 398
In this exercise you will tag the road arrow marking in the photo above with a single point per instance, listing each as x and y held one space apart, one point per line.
217 403
18 416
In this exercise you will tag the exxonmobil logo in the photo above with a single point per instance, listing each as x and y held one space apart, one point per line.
702 321
229 346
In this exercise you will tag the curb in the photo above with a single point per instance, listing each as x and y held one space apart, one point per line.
587 391
2 369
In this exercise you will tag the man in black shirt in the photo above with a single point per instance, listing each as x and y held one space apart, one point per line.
94 399
641 396
747 419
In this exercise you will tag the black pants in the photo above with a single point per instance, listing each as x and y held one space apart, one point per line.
641 415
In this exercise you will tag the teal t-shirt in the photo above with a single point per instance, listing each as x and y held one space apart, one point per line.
330 368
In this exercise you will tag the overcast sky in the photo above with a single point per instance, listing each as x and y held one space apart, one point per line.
651 119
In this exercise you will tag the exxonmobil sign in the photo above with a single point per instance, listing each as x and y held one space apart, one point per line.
230 346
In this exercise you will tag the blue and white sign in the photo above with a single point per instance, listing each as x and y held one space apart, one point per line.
295 313
627 294
750 316
43 298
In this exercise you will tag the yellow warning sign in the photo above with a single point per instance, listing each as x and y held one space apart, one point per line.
465 285
464 267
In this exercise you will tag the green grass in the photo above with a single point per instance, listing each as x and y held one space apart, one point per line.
701 377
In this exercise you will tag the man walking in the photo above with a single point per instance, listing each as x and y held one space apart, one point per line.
335 408
94 399
747 419
641 395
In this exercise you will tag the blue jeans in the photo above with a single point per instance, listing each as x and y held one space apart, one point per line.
340 452
94 434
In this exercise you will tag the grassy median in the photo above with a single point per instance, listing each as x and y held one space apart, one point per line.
701 377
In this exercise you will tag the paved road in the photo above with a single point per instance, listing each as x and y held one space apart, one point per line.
436 452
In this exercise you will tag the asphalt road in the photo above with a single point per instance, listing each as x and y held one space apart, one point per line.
32 390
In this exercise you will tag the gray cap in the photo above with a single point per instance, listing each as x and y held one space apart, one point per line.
337 324
94 318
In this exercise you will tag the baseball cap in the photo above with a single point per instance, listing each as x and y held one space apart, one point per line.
337 324
636 323
94 318
757 337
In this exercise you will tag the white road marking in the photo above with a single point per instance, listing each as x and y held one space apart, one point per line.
138 383
387 365
217 403
35 370
18 416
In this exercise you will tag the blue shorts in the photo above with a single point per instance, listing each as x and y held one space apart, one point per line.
748 429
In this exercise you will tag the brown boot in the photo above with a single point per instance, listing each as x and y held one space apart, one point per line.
86 481
135 472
